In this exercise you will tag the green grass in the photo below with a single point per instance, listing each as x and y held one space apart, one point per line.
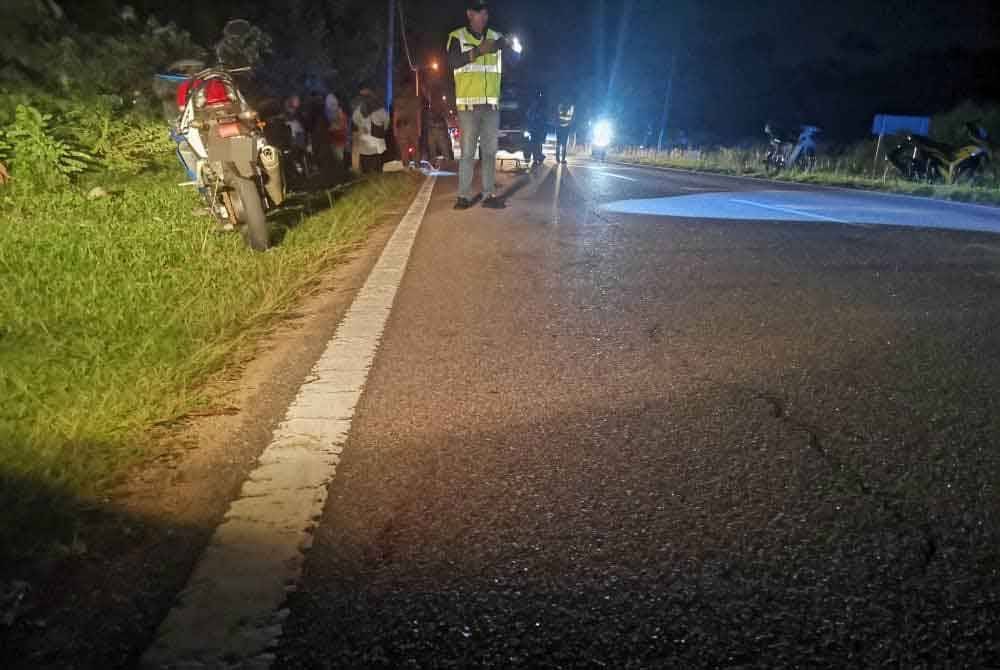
830 172
113 314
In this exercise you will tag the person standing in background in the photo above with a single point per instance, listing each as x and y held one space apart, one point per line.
538 127
406 122
566 113
438 139
371 123
336 120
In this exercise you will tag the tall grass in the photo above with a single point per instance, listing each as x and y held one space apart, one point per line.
114 311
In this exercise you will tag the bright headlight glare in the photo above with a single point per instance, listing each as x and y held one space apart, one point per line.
515 44
603 134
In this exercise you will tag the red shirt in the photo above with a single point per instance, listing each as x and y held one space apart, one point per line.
215 93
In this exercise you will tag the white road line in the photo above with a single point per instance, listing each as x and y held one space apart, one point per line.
228 616
616 176
602 171
790 210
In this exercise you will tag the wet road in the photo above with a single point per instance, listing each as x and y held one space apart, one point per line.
604 433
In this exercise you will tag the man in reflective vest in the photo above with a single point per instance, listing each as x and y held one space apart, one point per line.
566 112
474 56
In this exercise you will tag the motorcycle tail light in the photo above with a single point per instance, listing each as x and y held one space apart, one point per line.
228 129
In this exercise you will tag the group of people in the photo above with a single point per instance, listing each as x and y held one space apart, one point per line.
317 124
420 126
539 118
416 129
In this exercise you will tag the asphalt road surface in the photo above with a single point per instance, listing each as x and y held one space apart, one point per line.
649 419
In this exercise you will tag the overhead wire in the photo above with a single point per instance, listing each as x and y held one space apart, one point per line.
402 31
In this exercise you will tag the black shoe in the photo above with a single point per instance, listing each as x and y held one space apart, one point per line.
493 202
463 203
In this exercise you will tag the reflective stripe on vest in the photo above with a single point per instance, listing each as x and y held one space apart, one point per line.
477 83
566 116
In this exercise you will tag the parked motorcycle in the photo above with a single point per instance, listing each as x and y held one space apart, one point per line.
298 162
922 159
222 147
784 152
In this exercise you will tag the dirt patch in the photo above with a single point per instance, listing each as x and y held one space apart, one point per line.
99 605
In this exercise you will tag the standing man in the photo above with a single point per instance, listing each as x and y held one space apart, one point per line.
371 122
438 139
336 120
538 127
566 112
407 111
474 56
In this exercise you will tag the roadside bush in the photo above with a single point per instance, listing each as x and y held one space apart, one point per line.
950 126
38 157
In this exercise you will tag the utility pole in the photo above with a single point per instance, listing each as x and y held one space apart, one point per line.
666 102
390 55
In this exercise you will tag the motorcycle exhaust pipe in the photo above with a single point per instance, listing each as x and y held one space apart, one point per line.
270 160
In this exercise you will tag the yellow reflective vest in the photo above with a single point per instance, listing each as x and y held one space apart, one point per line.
566 115
478 82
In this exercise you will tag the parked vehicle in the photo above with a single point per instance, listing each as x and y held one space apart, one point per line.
222 147
601 136
784 152
298 161
922 159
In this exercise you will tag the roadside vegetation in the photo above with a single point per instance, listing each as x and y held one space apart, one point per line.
117 300
852 166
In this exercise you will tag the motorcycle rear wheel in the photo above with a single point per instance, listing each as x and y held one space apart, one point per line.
254 223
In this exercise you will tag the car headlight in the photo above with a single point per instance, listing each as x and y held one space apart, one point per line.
603 134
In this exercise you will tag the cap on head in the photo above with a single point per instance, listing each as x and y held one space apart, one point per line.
474 6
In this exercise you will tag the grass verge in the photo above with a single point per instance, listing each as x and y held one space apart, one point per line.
745 164
115 311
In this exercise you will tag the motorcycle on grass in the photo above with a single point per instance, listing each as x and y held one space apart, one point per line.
784 152
222 148
922 159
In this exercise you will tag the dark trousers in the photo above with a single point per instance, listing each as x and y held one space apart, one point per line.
562 138
537 147
371 163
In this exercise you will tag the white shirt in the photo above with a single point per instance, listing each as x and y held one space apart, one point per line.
368 144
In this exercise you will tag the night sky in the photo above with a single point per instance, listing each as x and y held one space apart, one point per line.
739 64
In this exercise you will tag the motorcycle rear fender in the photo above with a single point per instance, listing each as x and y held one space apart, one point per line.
240 151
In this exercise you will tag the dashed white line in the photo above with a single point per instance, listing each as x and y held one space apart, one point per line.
229 616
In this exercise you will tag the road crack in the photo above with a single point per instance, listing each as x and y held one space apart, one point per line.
819 441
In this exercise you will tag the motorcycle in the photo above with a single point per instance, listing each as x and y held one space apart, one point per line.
785 153
287 133
221 146
924 160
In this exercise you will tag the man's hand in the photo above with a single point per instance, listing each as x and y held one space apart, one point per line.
488 46
4 175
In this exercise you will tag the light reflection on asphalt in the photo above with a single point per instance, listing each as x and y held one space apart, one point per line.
817 207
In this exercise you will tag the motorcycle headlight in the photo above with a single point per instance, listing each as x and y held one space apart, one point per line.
603 134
